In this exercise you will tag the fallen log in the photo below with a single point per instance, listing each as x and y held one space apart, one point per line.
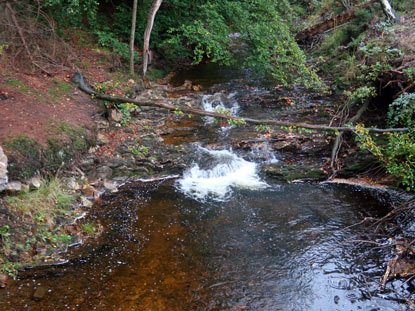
78 78
334 21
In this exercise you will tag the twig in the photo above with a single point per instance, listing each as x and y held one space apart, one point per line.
23 39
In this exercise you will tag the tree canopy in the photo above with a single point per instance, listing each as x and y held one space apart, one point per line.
255 33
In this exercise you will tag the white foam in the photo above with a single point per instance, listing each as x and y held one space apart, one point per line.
228 171
219 102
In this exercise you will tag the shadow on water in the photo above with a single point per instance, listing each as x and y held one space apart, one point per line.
277 248
170 246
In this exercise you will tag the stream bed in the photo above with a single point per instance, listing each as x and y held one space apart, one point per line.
220 237
274 248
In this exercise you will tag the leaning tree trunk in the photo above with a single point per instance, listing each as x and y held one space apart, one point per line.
387 8
150 21
132 35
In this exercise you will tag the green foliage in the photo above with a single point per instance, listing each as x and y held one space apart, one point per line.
106 86
27 157
361 94
263 128
398 153
89 228
236 122
410 72
402 111
108 40
4 231
71 12
139 150
201 30
204 36
9 268
126 110
154 74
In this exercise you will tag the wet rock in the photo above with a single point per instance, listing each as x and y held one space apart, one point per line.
89 191
40 292
3 170
14 186
102 124
87 164
104 172
116 162
92 150
102 139
110 185
115 115
187 84
35 182
290 173
85 202
147 108
3 280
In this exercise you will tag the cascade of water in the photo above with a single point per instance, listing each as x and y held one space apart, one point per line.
263 153
224 170
220 102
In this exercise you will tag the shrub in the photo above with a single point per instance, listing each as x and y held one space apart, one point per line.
398 153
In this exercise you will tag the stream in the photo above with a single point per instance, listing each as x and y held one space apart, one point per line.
220 237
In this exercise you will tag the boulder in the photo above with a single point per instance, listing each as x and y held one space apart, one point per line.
3 170
14 186
102 139
116 115
35 182
102 124
85 202
104 172
110 185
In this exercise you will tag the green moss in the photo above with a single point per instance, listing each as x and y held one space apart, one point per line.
58 89
27 157
289 173
153 74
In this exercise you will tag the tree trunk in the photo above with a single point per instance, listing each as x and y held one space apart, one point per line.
132 36
150 21
387 8
334 21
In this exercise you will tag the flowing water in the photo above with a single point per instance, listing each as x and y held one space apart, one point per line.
221 237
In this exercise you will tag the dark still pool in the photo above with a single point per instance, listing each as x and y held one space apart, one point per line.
274 247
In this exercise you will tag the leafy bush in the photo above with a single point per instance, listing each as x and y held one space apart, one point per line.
402 111
71 12
398 154
122 49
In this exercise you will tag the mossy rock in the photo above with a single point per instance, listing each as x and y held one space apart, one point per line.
289 173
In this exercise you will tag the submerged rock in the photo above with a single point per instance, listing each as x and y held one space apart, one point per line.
40 293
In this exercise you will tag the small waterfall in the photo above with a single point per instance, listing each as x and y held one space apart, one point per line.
263 153
220 102
222 171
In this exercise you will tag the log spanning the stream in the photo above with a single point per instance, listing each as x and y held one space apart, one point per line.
78 78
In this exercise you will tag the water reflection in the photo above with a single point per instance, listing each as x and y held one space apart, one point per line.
270 249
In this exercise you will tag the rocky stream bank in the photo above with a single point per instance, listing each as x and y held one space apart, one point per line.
143 143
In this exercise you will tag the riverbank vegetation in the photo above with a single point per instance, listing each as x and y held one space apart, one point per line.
347 48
